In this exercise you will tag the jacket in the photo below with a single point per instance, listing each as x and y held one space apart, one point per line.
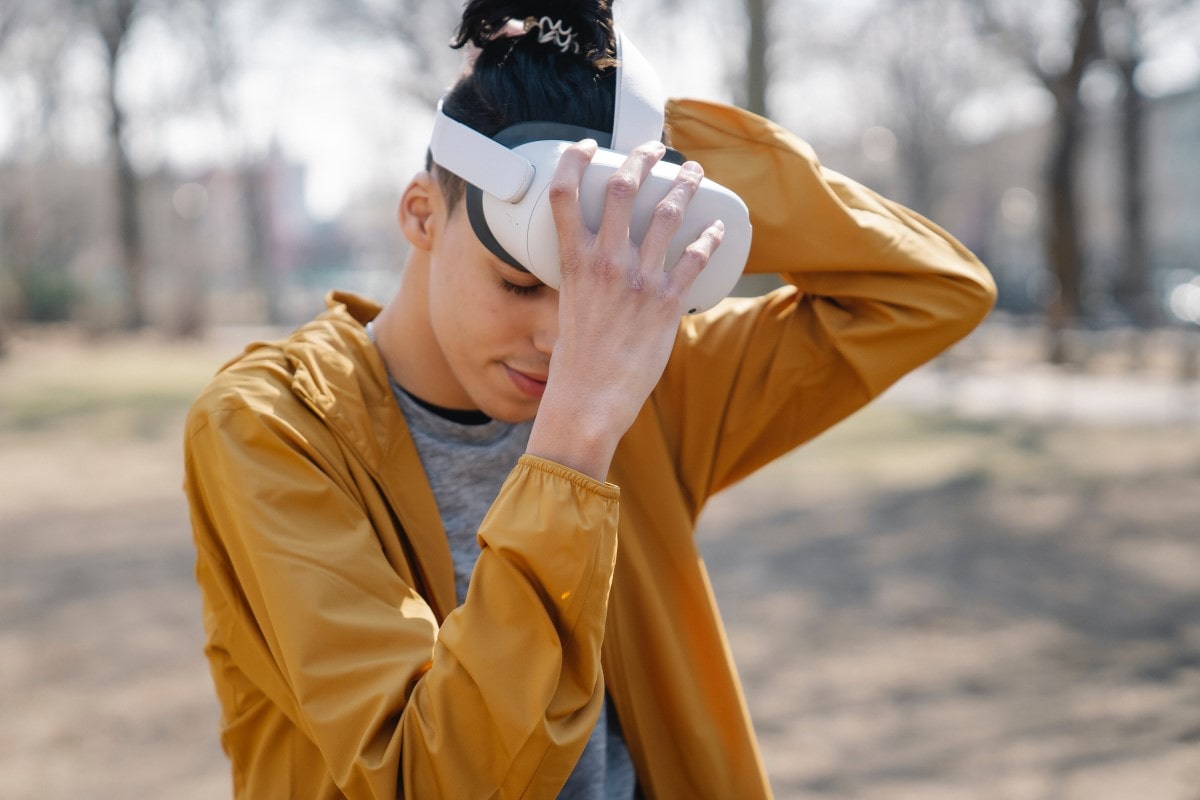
342 665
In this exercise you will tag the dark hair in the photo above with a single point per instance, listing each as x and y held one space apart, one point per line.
518 79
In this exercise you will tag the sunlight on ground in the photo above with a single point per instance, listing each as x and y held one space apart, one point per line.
923 602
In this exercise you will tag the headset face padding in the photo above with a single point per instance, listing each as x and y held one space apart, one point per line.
508 177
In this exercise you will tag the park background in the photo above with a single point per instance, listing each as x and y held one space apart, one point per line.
983 586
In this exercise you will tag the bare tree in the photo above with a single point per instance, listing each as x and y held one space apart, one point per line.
211 23
39 217
112 21
8 23
1124 49
1016 25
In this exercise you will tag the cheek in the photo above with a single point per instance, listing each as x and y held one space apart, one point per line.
467 307
462 300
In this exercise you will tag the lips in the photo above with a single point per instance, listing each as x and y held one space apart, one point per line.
531 385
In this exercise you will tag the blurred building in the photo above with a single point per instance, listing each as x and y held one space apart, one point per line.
1174 189
225 246
992 195
55 231
240 239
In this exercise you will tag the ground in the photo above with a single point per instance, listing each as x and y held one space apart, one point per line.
985 585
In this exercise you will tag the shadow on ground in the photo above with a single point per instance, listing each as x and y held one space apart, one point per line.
923 605
1002 620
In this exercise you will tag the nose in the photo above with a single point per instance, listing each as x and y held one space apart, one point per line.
545 321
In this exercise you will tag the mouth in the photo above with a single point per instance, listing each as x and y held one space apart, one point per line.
533 385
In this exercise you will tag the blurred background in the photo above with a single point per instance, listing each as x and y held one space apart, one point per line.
983 586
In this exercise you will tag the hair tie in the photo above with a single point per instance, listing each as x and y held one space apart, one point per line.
552 31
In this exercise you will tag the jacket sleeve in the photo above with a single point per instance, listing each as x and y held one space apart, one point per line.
496 702
874 291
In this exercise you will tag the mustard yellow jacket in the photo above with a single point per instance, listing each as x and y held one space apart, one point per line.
342 665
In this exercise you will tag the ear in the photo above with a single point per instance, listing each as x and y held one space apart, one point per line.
418 206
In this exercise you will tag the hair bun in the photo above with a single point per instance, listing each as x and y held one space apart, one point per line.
591 22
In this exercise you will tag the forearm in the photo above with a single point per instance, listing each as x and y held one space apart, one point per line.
514 688
310 612
883 284
876 291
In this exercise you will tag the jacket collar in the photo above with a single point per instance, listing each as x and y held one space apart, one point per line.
339 373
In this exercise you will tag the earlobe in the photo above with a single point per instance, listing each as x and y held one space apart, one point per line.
416 211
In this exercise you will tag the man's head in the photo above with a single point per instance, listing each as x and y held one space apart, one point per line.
509 172
466 329
545 61
479 324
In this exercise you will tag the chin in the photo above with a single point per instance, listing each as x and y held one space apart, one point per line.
505 408
512 416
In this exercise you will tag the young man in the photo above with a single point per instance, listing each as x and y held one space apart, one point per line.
371 636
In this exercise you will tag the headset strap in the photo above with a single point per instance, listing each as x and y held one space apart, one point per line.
479 159
638 114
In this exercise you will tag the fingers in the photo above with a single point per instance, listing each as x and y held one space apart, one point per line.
693 259
623 186
564 202
668 215
609 252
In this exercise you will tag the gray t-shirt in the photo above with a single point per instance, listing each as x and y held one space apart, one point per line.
466 465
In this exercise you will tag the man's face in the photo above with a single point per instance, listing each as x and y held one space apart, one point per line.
494 324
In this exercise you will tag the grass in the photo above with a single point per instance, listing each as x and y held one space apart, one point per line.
53 381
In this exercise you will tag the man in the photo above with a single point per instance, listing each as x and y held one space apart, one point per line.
335 480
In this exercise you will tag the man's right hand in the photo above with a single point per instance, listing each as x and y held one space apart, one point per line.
619 307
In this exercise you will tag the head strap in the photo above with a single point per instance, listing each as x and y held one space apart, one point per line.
638 117
478 159
638 113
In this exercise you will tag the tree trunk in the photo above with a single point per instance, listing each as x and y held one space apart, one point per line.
1134 284
758 77
130 226
1062 245
1063 249
8 18
113 32
260 258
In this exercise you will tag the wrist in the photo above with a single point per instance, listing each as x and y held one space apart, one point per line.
569 435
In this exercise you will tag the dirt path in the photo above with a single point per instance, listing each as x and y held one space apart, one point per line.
924 608
924 605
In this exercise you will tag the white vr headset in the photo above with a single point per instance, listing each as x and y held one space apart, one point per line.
508 203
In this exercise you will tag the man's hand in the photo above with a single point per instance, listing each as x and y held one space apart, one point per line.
619 307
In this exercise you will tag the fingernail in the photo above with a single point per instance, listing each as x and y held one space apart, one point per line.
690 169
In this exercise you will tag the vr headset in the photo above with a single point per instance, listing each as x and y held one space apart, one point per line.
509 206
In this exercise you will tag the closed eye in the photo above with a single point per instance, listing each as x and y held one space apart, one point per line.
519 289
